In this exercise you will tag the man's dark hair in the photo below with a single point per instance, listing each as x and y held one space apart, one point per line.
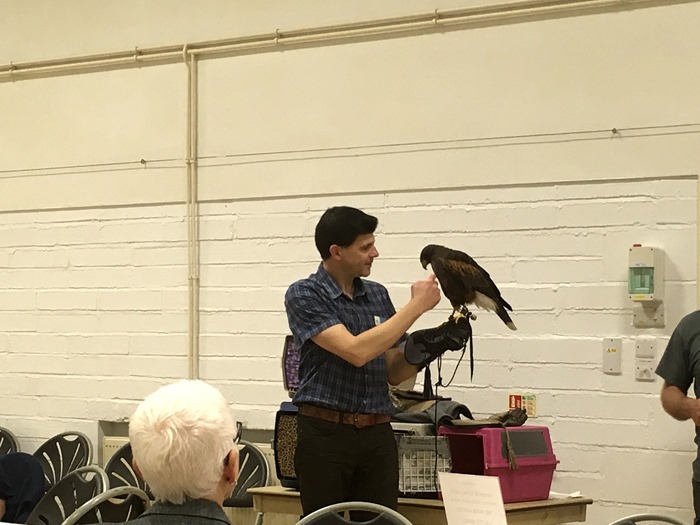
341 225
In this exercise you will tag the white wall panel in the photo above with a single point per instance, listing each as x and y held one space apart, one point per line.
114 116
460 108
514 79
109 121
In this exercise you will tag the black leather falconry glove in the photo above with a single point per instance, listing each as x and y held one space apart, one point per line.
424 346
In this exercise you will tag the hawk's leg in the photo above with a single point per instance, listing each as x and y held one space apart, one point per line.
464 312
458 313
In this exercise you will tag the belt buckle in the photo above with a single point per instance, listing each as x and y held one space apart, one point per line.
356 421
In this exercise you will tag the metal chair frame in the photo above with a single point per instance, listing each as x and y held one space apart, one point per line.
111 506
66 496
62 454
8 442
636 518
330 515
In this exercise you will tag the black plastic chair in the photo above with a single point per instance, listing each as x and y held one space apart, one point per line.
62 454
121 472
116 505
65 497
8 442
253 472
330 515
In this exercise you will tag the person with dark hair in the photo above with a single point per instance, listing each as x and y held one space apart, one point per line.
341 226
21 486
349 336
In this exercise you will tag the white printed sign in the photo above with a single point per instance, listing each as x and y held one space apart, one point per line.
472 500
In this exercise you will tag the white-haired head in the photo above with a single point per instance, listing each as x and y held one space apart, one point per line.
180 436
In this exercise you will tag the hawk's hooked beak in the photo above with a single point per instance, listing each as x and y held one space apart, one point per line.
424 263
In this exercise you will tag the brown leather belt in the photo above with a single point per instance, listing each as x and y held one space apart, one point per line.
358 419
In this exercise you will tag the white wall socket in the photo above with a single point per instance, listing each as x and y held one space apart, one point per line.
644 370
645 348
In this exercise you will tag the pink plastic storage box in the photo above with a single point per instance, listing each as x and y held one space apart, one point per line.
483 450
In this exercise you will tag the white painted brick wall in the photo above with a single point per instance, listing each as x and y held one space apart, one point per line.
91 322
93 314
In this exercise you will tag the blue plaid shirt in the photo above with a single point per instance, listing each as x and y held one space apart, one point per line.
326 380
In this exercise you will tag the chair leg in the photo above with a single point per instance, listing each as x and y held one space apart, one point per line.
259 519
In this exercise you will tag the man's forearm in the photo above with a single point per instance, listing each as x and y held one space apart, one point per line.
362 348
398 369
678 405
377 340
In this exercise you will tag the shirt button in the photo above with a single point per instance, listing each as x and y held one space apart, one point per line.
364 401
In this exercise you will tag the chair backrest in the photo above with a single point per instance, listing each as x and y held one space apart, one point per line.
253 472
121 472
639 518
8 442
330 515
118 504
62 454
73 490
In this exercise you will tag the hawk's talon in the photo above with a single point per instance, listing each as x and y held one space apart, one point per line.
463 312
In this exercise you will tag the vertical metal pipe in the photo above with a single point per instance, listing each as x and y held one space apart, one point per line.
192 217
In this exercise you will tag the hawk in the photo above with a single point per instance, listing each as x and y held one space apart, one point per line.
464 282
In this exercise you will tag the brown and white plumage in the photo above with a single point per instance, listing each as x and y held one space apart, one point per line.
464 282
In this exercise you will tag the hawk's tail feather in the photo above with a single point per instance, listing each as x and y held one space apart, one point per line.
506 318
485 302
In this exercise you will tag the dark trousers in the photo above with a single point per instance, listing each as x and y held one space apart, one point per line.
696 501
335 462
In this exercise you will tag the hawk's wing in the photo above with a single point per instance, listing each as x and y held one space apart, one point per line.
464 273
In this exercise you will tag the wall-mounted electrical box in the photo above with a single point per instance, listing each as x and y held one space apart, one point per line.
645 280
612 355
645 359
645 286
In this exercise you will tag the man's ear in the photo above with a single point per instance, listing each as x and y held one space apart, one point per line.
231 470
334 250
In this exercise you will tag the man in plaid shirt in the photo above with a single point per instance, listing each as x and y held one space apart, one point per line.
348 333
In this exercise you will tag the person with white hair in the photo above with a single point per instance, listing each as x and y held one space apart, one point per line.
182 438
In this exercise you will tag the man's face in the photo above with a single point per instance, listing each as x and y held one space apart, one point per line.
357 258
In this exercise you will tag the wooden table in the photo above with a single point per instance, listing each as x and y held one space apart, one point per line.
279 500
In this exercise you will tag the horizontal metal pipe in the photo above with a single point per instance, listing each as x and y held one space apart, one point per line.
424 21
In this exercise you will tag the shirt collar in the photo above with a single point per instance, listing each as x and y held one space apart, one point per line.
332 287
198 507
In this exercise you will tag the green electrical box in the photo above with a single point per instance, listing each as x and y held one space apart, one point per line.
641 281
645 279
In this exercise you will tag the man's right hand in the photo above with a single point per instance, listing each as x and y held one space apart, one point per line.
426 293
